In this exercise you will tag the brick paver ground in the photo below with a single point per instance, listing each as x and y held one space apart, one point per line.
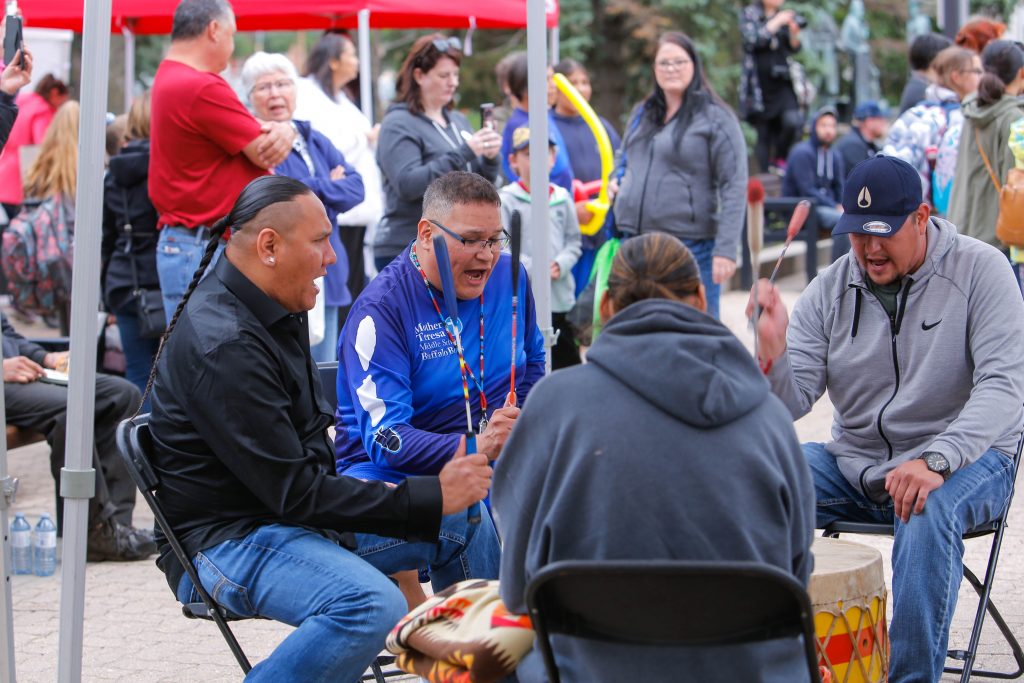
134 630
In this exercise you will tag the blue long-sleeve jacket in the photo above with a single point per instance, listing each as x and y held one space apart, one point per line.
401 409
338 196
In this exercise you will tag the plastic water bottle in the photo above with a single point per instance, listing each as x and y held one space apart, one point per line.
21 544
45 557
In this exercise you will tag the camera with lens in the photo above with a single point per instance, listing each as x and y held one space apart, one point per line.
800 20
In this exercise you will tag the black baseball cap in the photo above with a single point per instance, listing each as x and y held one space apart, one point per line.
880 193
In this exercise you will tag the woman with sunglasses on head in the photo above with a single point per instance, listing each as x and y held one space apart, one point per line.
666 445
422 137
685 166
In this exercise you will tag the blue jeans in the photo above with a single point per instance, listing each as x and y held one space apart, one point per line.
342 607
327 350
703 252
828 216
342 604
463 551
927 554
138 352
178 253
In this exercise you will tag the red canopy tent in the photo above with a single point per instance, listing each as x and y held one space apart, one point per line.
154 16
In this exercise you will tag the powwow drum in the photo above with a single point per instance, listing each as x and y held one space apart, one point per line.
848 598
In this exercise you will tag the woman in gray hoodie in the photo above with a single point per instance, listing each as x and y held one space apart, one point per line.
686 166
422 138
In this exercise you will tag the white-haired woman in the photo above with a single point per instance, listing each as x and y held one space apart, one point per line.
269 80
323 100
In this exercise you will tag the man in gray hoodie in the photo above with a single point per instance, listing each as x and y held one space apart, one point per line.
918 336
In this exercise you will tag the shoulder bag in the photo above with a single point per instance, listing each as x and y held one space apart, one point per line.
149 305
1010 224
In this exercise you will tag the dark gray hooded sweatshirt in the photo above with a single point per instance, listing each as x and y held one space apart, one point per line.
667 444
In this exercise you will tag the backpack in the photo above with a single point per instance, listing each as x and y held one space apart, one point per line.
37 247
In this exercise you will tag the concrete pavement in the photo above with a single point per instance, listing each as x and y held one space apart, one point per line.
134 630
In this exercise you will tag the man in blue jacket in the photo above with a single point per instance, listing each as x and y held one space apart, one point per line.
401 406
816 172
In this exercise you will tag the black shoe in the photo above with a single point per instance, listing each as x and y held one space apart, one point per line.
110 540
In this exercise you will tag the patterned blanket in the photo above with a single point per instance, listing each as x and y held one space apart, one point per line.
463 634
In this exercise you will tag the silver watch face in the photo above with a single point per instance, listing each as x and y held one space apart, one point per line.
936 462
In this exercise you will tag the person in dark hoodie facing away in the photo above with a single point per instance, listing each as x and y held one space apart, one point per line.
583 479
422 137
126 201
816 172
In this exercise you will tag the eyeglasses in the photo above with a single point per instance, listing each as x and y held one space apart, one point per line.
281 85
672 64
491 245
445 44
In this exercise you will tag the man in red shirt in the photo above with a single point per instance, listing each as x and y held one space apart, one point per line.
205 146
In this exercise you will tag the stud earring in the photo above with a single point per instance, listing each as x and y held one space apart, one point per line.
270 261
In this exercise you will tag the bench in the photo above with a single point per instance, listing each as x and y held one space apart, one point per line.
777 212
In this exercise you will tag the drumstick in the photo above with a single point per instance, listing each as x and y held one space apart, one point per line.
755 237
515 229
796 222
444 268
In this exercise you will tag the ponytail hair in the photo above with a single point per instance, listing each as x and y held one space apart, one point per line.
257 195
654 265
1002 61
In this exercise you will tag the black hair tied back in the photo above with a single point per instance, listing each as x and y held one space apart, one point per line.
1002 60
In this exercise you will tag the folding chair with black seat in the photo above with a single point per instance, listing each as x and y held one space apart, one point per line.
135 445
668 603
983 589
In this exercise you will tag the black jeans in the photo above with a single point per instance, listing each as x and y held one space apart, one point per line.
775 135
42 407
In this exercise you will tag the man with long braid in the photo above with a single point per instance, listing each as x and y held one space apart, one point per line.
239 428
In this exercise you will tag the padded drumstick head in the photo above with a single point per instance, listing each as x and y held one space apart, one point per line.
515 229
444 271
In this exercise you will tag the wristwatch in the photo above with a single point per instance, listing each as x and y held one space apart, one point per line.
937 463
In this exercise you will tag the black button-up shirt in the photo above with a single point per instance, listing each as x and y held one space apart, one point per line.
239 427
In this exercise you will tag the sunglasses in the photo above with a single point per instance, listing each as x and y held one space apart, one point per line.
445 44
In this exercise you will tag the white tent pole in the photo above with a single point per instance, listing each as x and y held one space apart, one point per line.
365 65
537 94
77 477
8 486
555 40
129 66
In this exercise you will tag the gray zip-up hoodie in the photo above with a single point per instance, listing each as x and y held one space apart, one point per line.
946 374
411 153
690 183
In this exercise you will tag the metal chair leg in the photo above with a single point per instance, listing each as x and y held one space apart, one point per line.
968 656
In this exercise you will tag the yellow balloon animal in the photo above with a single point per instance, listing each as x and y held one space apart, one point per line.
600 205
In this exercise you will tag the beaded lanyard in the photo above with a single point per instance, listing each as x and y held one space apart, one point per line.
462 361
